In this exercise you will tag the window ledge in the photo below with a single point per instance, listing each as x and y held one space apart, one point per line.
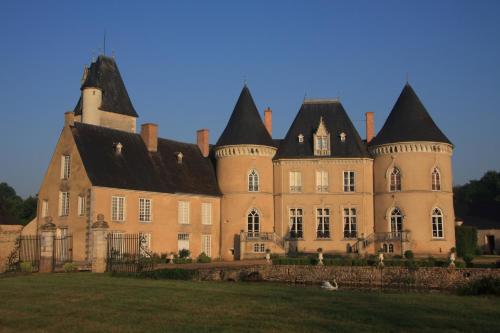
323 239
145 222
438 239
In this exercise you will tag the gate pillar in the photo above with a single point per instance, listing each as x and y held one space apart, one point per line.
47 234
99 247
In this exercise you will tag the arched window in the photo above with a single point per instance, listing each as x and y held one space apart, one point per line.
253 181
437 223
395 180
253 222
436 180
396 222
391 248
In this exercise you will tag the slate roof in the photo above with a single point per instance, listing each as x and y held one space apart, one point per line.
245 125
409 121
138 169
104 74
336 121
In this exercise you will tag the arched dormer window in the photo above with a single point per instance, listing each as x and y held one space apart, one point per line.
253 222
321 140
396 222
395 180
253 181
437 223
436 180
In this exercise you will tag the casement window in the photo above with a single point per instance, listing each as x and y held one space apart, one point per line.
349 181
145 245
436 180
321 140
321 181
396 222
63 203
183 212
253 181
45 208
81 205
118 208
145 210
206 244
322 223
437 223
206 213
350 223
253 222
296 227
259 248
295 181
182 241
395 180
65 166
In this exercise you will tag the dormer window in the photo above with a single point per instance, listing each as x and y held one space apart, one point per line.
321 140
342 137
301 138
180 155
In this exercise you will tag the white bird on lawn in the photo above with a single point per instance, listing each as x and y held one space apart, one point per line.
328 286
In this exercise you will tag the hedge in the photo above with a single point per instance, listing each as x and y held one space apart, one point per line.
466 239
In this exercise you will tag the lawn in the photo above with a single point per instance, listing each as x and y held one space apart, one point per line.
85 302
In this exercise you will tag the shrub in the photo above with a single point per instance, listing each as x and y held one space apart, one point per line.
70 267
466 240
184 253
203 258
183 260
26 267
468 260
409 254
411 264
484 286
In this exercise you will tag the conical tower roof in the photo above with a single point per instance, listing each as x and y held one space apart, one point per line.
409 121
245 125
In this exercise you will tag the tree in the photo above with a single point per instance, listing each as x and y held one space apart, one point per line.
479 197
13 209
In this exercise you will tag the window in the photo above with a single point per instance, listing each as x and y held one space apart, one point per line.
259 248
295 181
45 208
321 181
396 222
253 224
350 226
322 223
182 241
81 205
436 180
395 179
321 140
183 212
118 208
144 210
296 230
65 166
253 181
206 213
437 223
145 245
349 181
63 203
301 138
206 244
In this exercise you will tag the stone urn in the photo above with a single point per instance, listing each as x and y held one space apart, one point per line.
380 259
320 257
268 256
452 259
171 258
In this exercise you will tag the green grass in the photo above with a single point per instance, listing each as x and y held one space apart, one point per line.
85 302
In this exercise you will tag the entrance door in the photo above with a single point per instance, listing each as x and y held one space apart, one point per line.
490 243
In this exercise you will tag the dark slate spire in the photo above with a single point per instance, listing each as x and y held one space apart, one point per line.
409 121
245 125
104 74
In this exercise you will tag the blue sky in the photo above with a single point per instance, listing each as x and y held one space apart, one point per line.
184 64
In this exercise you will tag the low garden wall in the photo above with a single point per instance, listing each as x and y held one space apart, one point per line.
422 278
8 236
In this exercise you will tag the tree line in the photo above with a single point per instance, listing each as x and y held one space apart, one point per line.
13 208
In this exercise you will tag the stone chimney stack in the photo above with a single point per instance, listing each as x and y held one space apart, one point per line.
202 141
69 118
370 126
149 134
268 120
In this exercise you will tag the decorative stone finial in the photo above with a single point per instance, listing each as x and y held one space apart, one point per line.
100 223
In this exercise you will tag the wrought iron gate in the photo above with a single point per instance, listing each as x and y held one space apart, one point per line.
26 254
128 253
63 251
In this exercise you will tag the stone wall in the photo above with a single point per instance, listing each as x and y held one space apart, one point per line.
428 278
8 236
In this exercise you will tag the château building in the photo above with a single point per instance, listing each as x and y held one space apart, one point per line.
321 186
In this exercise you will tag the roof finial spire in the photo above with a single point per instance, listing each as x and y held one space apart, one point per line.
407 78
245 82
104 43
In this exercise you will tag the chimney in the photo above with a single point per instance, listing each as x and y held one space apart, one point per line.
202 141
370 126
69 118
149 134
268 120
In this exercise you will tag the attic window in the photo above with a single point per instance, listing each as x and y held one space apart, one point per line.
179 155
343 136
118 148
301 138
321 140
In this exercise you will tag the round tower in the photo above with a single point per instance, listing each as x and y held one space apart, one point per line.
244 154
413 185
91 101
